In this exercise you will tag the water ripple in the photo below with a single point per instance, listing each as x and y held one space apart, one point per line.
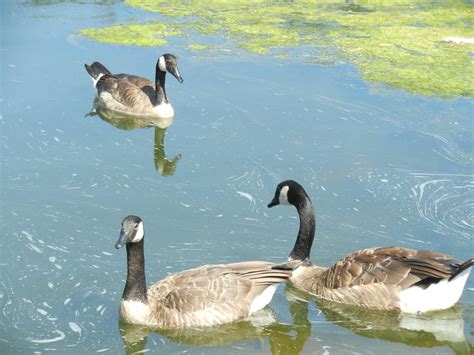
450 150
448 204
60 337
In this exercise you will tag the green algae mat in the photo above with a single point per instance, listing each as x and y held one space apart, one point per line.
423 47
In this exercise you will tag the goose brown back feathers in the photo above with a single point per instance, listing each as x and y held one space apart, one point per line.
211 294
124 96
390 265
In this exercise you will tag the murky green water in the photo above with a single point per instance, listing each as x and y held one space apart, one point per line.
383 166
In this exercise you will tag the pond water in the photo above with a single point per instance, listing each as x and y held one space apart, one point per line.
383 166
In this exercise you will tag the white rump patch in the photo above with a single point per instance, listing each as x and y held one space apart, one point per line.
134 312
283 198
441 295
263 299
162 64
140 233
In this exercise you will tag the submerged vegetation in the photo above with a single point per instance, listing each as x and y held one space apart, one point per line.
397 42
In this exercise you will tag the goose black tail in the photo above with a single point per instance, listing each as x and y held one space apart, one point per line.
464 266
91 71
100 68
95 69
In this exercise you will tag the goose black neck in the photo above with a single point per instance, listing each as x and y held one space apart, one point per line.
135 287
304 241
160 85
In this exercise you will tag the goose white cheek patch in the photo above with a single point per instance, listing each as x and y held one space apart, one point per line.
283 198
139 235
162 64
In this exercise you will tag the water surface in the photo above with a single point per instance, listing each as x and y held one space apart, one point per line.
383 166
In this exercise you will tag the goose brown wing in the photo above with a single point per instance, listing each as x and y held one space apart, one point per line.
144 84
213 294
123 92
391 266
136 80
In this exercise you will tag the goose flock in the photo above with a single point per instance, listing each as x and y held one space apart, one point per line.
388 278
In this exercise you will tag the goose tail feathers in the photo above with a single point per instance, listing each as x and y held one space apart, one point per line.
462 267
100 68
95 69
91 71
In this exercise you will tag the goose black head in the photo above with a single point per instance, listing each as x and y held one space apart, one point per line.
132 231
169 63
287 192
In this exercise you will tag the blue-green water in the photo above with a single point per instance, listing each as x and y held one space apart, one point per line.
383 167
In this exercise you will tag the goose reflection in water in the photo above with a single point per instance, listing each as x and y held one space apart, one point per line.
261 329
165 166
428 330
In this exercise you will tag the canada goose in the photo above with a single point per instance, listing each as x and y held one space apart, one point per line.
132 94
205 296
389 278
